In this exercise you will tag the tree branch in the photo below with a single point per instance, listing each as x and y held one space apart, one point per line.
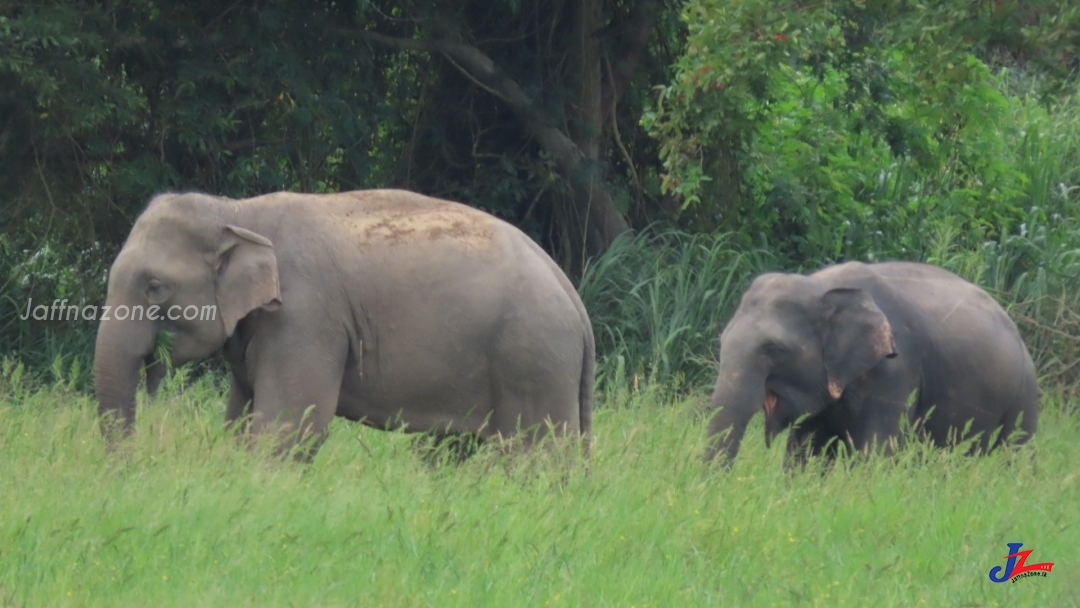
253 143
480 69
406 44
473 79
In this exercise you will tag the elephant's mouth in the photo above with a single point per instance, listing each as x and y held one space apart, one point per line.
769 405
772 424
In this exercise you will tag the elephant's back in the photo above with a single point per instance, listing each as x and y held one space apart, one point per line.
397 219
960 320
915 275
944 298
933 293
972 350
388 245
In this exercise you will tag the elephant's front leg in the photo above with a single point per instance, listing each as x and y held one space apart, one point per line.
876 426
296 374
239 401
798 451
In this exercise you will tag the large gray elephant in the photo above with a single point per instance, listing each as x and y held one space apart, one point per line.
383 306
848 345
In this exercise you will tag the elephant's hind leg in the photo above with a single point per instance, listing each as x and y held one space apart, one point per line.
1016 428
535 369
531 404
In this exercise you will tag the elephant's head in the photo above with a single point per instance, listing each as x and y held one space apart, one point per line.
791 348
198 273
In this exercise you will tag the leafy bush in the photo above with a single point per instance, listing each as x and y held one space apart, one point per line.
40 274
845 130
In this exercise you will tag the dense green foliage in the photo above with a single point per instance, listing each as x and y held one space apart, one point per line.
103 105
784 137
185 516
845 129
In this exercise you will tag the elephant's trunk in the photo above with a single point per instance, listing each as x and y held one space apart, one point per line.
736 398
120 351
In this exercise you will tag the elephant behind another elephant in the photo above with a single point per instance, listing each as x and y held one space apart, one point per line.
848 345
383 306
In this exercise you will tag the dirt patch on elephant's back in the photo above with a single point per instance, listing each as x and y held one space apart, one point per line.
408 220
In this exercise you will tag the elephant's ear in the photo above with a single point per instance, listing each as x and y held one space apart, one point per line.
247 276
857 337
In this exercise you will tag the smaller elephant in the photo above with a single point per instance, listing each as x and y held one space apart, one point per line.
845 348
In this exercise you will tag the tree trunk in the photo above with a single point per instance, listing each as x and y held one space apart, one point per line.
593 218
592 212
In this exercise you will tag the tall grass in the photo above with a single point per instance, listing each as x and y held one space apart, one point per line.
658 301
1037 280
183 515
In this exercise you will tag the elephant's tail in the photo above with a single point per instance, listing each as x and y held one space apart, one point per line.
588 378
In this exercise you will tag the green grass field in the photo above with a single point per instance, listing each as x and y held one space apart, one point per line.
185 516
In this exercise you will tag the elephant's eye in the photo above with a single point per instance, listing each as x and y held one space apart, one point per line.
156 291
774 350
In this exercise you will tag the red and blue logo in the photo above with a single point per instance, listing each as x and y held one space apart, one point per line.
1016 566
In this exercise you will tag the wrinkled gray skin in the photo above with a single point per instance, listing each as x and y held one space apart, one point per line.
848 345
383 306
